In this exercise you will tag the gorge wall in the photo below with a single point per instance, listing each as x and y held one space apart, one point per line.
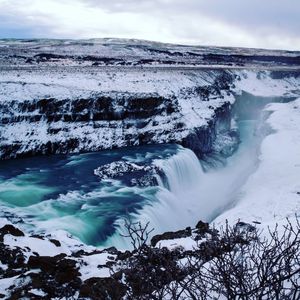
105 120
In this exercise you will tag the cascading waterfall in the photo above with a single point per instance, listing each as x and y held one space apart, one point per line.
178 188
187 194
183 171
178 195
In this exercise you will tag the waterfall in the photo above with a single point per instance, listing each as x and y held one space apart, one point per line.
178 194
184 195
187 194
171 208
183 172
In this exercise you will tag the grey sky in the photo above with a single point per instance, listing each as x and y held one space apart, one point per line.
249 23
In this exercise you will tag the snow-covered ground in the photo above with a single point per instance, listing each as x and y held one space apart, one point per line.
175 88
122 52
192 81
263 84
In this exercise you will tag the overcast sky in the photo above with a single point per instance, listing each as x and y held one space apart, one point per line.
248 23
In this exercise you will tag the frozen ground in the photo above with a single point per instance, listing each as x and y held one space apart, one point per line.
122 52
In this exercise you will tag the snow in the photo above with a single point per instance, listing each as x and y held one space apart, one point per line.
262 84
69 242
38 292
187 243
3 267
30 245
44 247
272 192
5 283
3 222
79 83
83 83
92 265
117 168
43 84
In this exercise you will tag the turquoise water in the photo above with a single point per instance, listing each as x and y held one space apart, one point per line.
62 192
45 194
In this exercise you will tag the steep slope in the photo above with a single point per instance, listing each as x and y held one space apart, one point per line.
272 193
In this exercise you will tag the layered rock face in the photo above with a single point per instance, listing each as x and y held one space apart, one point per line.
72 125
105 120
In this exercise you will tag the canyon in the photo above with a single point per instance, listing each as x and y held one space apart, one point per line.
92 132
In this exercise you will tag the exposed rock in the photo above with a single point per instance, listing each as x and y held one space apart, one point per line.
124 255
203 140
118 169
227 143
145 180
171 235
141 175
137 273
13 258
45 263
102 288
55 242
112 250
202 227
10 229
105 120
242 227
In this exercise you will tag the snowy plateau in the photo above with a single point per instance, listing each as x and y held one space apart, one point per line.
65 98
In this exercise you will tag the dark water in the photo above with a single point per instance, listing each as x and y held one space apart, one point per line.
62 192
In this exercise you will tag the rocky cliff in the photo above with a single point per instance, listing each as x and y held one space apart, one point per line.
53 103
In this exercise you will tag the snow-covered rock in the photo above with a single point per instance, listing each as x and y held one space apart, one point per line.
119 168
37 118
142 175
